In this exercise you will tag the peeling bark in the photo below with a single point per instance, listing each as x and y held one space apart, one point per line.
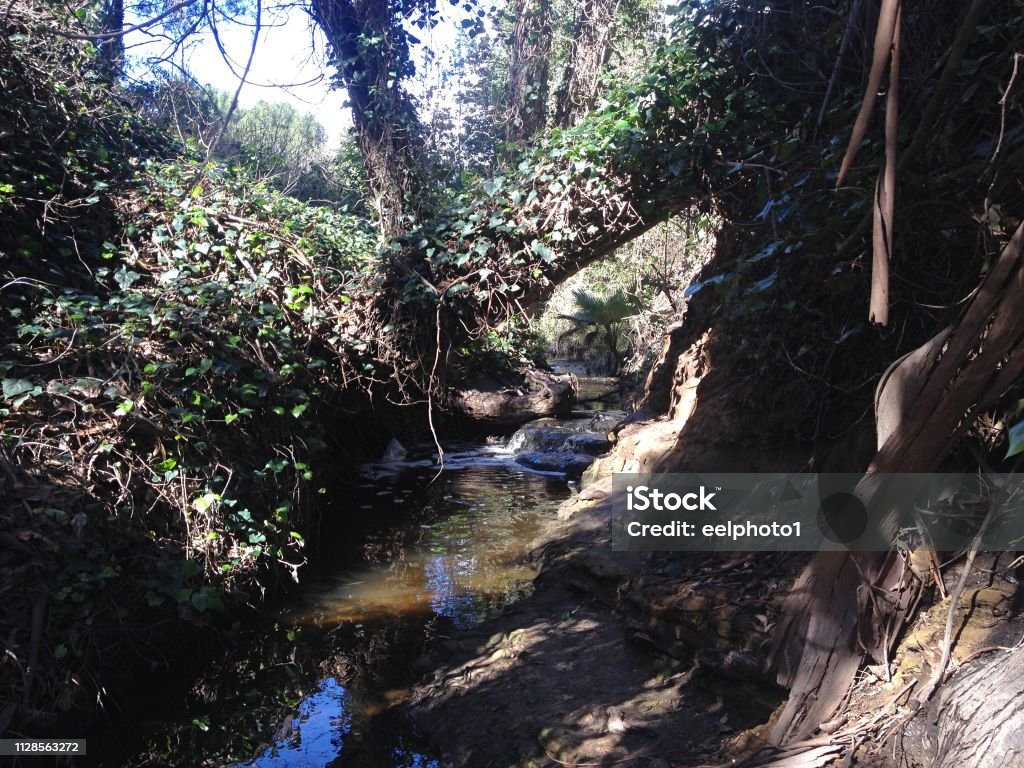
976 721
817 650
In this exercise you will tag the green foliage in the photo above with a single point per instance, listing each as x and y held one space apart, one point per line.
169 333
650 148
601 319
271 140
510 348
225 302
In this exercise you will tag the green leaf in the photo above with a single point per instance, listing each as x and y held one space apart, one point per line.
125 278
206 599
1016 439
166 465
543 251
205 501
15 387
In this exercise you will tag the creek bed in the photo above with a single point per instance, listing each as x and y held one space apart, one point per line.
436 554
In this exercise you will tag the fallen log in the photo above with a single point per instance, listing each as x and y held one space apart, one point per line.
540 394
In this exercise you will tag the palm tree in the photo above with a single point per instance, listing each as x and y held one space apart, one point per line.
601 319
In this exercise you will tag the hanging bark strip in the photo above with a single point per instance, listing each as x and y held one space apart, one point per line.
827 625
885 192
884 35
886 51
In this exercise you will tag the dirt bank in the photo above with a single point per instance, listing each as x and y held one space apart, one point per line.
615 656
659 660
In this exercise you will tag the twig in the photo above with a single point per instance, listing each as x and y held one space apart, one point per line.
852 23
125 30
991 649
241 81
1003 102
430 390
947 641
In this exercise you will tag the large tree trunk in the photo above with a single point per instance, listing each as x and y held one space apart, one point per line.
591 46
976 721
371 53
821 642
110 51
528 67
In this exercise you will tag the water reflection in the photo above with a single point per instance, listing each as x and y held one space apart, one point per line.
459 549
314 735
449 547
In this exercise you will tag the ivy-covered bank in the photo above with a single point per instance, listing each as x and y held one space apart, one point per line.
176 339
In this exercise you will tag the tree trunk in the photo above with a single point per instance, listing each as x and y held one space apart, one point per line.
528 67
820 643
371 53
976 721
110 53
591 46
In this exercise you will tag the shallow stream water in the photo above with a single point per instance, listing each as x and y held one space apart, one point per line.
431 552
456 558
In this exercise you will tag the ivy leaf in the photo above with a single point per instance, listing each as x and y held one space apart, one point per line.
15 387
126 278
493 186
543 251
1016 439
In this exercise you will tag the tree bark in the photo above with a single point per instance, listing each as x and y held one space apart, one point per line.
821 641
110 53
370 51
591 47
541 394
976 721
528 68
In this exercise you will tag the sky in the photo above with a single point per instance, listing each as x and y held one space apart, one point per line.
289 64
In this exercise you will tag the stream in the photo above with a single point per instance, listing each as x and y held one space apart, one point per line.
437 552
